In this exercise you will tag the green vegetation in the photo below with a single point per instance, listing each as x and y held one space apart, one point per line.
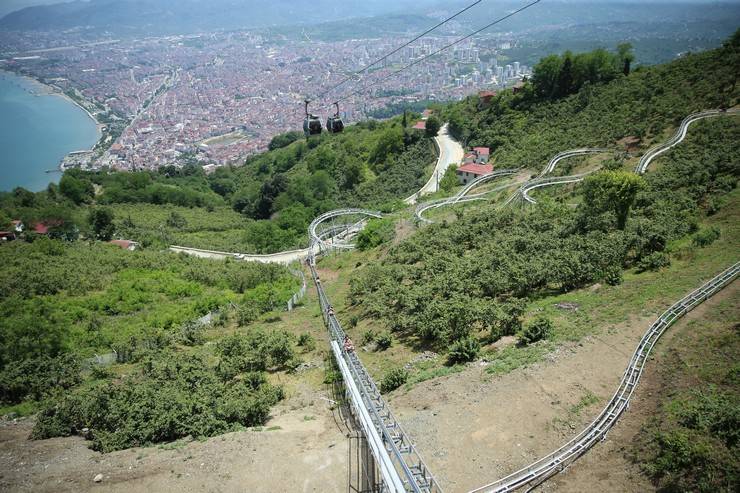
393 379
272 198
375 233
476 277
526 129
61 303
538 329
691 442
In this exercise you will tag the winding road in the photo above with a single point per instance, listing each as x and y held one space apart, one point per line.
450 152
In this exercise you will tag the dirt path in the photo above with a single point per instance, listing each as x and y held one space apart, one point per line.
307 453
472 428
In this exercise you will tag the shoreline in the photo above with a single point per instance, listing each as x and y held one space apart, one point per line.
56 91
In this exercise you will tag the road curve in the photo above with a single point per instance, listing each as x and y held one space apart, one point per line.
450 152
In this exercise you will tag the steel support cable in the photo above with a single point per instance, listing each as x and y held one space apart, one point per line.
385 57
460 40
597 430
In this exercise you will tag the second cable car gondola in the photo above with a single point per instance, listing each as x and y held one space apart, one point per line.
334 123
311 124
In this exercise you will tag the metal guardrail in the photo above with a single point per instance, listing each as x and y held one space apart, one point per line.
462 195
390 444
561 458
550 180
570 153
677 137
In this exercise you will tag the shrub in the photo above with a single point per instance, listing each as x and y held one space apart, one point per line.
654 261
246 314
464 350
384 340
192 333
540 328
393 379
613 275
368 337
37 378
175 396
307 342
706 237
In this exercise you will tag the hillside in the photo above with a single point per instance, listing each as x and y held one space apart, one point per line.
492 313
263 206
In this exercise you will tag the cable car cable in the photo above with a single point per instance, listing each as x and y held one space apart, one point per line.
392 74
363 69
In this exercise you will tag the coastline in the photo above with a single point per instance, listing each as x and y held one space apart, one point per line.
56 91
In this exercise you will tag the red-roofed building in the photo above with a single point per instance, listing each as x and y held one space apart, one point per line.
481 154
421 125
41 228
426 114
125 244
470 171
485 98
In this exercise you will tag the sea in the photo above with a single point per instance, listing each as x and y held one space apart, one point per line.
37 129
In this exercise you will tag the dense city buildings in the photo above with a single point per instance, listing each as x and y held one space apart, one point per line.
216 98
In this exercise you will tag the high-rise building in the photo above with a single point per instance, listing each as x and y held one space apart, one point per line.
516 68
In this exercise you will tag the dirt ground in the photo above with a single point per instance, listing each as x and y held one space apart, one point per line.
472 428
308 453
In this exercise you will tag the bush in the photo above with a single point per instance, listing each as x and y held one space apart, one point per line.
393 379
375 233
464 350
540 328
174 397
38 378
307 342
654 261
706 237
192 333
613 275
368 337
384 340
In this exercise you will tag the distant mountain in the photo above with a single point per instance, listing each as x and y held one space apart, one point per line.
180 16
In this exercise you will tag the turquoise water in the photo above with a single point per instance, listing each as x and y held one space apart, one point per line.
36 132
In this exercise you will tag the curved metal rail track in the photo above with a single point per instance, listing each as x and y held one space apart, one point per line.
677 137
401 467
561 458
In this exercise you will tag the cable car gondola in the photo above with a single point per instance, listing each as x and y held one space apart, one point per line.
334 123
311 124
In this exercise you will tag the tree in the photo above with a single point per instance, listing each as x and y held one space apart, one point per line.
101 221
75 189
176 220
613 191
449 179
565 77
432 126
626 57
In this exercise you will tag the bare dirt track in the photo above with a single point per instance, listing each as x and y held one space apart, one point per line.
472 428
308 453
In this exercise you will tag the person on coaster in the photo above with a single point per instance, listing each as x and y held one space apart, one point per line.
348 346
330 311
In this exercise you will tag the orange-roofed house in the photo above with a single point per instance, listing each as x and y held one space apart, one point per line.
470 171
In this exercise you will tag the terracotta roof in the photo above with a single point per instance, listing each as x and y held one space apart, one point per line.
476 169
482 150
420 125
41 228
486 94
123 243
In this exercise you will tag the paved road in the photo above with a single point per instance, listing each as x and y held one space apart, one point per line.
450 151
